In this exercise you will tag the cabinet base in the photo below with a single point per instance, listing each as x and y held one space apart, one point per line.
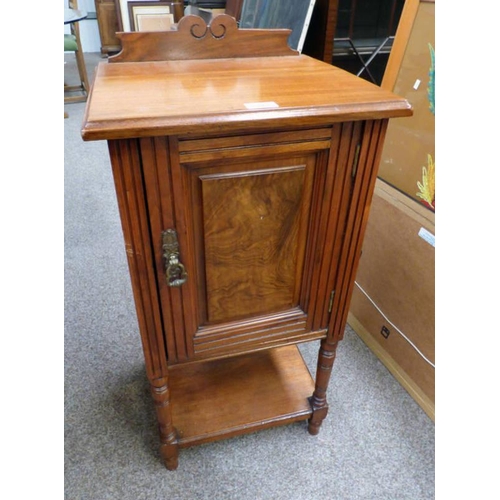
228 397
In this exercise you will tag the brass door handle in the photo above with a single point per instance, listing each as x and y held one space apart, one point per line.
175 272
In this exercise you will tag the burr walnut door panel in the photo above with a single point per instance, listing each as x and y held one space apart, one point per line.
253 224
251 217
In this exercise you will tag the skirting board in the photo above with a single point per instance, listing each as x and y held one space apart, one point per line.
413 389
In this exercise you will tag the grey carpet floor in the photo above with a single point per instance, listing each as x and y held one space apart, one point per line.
376 442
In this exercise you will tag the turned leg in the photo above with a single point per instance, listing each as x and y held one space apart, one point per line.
318 401
169 449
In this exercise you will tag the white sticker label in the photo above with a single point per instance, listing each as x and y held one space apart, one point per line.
427 236
261 105
416 84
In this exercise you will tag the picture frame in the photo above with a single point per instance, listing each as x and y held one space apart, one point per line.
153 15
403 34
410 73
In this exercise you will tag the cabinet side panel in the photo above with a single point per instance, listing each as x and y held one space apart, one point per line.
365 175
125 161
344 164
332 220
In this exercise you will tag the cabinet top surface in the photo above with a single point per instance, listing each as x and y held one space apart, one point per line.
139 99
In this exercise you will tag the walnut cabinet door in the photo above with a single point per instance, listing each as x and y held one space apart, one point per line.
258 225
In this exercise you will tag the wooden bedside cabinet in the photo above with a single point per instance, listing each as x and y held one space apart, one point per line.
244 173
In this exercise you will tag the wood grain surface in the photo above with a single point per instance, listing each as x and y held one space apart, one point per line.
202 96
193 39
251 241
214 400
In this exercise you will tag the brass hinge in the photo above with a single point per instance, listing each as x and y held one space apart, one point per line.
330 306
356 160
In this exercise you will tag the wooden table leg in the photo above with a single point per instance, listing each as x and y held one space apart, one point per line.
169 448
318 400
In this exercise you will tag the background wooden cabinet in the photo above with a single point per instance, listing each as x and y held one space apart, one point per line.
107 21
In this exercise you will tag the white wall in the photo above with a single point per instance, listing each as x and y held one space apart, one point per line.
89 31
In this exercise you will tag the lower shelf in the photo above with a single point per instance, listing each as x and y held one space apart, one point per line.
227 397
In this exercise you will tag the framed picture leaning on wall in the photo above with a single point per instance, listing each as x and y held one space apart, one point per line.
151 16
